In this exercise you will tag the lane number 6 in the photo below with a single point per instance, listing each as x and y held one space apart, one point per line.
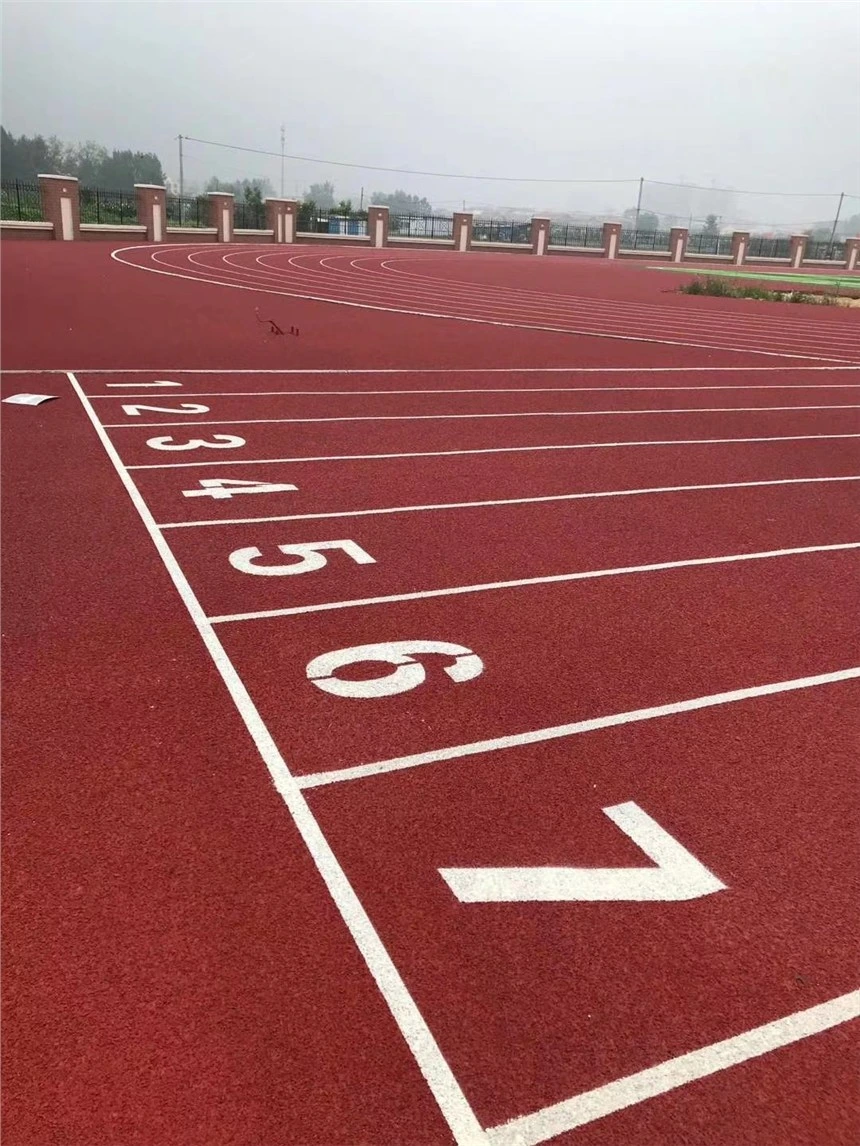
407 674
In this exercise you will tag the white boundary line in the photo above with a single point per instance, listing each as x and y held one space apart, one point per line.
456 1110
473 320
492 450
428 370
486 390
457 751
473 416
551 579
505 501
531 1129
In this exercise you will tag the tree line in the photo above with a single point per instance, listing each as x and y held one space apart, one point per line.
24 157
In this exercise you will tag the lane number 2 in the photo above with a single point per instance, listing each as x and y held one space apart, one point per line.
309 553
182 408
408 673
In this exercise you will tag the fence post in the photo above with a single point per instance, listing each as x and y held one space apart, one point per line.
221 214
539 236
678 238
61 204
377 226
852 254
797 250
281 216
151 200
740 245
611 240
463 221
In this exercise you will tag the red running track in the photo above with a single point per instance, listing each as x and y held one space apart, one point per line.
189 960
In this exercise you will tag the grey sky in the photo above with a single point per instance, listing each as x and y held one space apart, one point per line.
751 95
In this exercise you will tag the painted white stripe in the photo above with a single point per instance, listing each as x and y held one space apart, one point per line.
531 1129
457 751
471 319
494 450
468 417
555 578
480 390
431 370
446 1090
506 501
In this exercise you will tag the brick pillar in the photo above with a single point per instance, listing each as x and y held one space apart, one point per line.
797 250
61 204
282 217
740 246
678 237
377 226
221 214
540 236
611 240
463 221
852 254
151 210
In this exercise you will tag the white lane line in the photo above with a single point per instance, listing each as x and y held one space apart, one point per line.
469 417
315 273
494 450
505 501
532 1129
433 370
555 578
457 751
473 320
452 1102
483 390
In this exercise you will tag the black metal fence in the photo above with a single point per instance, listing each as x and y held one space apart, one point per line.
187 211
763 248
249 216
706 243
20 201
834 251
644 240
500 231
107 206
421 226
314 221
574 235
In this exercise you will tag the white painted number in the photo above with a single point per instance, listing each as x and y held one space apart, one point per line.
182 408
677 876
228 487
309 553
221 442
407 675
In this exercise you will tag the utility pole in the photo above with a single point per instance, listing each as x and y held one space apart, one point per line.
835 224
181 172
638 204
361 201
283 139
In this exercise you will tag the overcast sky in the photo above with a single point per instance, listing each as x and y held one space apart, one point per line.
758 95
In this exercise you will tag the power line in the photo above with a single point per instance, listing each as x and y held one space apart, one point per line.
402 170
507 178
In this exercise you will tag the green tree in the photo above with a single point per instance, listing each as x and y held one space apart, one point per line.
400 203
344 207
712 225
648 221
322 194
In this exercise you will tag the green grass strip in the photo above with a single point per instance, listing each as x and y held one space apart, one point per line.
769 276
